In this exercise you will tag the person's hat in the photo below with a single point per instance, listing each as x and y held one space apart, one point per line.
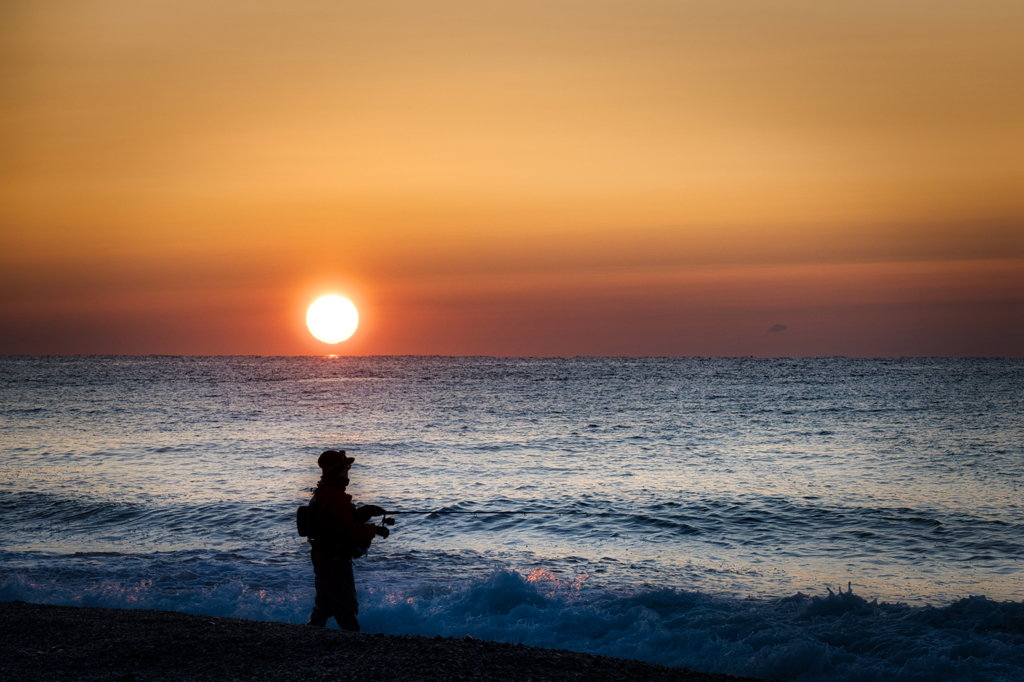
333 460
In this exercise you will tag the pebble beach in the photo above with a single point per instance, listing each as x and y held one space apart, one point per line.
43 642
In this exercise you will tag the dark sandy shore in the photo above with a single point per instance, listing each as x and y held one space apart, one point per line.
41 642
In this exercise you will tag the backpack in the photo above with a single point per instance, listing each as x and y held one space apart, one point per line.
306 519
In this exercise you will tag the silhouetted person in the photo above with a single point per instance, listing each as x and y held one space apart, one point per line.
341 533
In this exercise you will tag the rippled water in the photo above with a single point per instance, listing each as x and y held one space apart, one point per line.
172 482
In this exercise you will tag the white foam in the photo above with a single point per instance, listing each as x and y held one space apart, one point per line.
811 639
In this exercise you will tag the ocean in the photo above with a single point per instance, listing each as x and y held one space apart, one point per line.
804 519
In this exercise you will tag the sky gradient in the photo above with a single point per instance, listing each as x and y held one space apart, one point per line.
513 178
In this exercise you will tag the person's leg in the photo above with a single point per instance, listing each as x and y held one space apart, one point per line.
344 604
322 571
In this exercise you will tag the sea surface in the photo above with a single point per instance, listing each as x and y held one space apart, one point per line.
801 519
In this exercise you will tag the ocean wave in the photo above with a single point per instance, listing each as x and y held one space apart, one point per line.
836 636
839 636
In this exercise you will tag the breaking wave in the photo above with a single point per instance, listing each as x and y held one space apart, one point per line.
834 636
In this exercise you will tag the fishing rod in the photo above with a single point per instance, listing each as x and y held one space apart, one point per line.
391 521
485 511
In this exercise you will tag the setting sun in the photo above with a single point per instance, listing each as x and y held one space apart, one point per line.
332 319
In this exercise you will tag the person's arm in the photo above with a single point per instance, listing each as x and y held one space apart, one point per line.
366 512
344 518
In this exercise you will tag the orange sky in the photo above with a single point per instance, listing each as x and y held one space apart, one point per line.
513 178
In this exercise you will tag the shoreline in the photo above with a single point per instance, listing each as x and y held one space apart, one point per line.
45 642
